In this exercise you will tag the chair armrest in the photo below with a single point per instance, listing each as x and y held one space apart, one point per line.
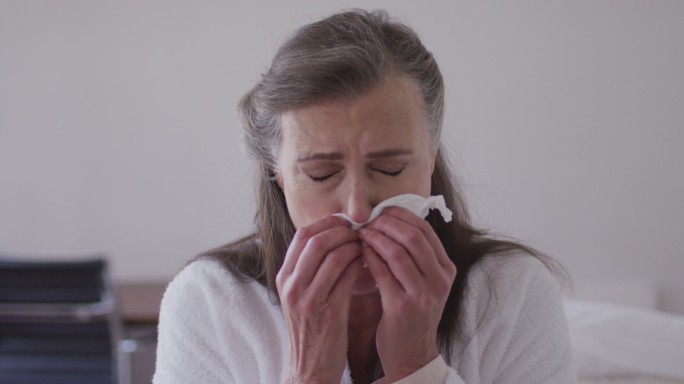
85 312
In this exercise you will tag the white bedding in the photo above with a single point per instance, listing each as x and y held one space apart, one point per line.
620 344
636 379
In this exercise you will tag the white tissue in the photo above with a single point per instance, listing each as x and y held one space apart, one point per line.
419 205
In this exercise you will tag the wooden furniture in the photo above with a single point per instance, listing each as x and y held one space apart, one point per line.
139 301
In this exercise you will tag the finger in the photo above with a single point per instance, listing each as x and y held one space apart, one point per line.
302 236
333 268
318 248
413 239
387 284
434 240
340 293
399 262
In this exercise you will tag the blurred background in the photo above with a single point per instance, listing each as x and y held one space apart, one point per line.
564 121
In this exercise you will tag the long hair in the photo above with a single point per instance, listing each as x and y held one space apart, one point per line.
342 57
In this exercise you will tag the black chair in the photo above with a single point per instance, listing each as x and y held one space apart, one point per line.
59 323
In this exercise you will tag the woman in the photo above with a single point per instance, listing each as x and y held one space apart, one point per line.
349 115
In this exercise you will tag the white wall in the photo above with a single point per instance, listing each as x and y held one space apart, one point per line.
118 131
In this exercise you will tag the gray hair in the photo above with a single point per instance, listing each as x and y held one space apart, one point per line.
339 57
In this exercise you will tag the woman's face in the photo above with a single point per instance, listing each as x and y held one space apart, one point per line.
347 156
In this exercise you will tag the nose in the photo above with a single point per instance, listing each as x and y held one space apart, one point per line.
360 201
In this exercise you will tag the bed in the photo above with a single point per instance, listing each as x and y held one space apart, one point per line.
619 337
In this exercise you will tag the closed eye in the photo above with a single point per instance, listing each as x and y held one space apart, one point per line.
390 173
320 179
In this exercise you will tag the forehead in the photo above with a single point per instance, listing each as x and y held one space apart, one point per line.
393 111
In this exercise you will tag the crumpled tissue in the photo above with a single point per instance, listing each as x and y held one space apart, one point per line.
419 205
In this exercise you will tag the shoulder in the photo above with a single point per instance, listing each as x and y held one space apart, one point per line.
217 269
206 292
207 282
201 276
210 320
503 289
195 289
512 275
206 300
513 311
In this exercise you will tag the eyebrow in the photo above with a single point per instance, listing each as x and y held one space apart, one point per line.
321 156
389 153
339 156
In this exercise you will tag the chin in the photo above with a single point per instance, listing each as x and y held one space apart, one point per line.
364 284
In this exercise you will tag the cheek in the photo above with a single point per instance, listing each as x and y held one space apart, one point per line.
427 182
418 186
418 182
307 205
426 177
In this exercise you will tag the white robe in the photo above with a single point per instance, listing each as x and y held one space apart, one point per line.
215 328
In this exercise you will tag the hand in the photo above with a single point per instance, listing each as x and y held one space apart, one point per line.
414 276
314 286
